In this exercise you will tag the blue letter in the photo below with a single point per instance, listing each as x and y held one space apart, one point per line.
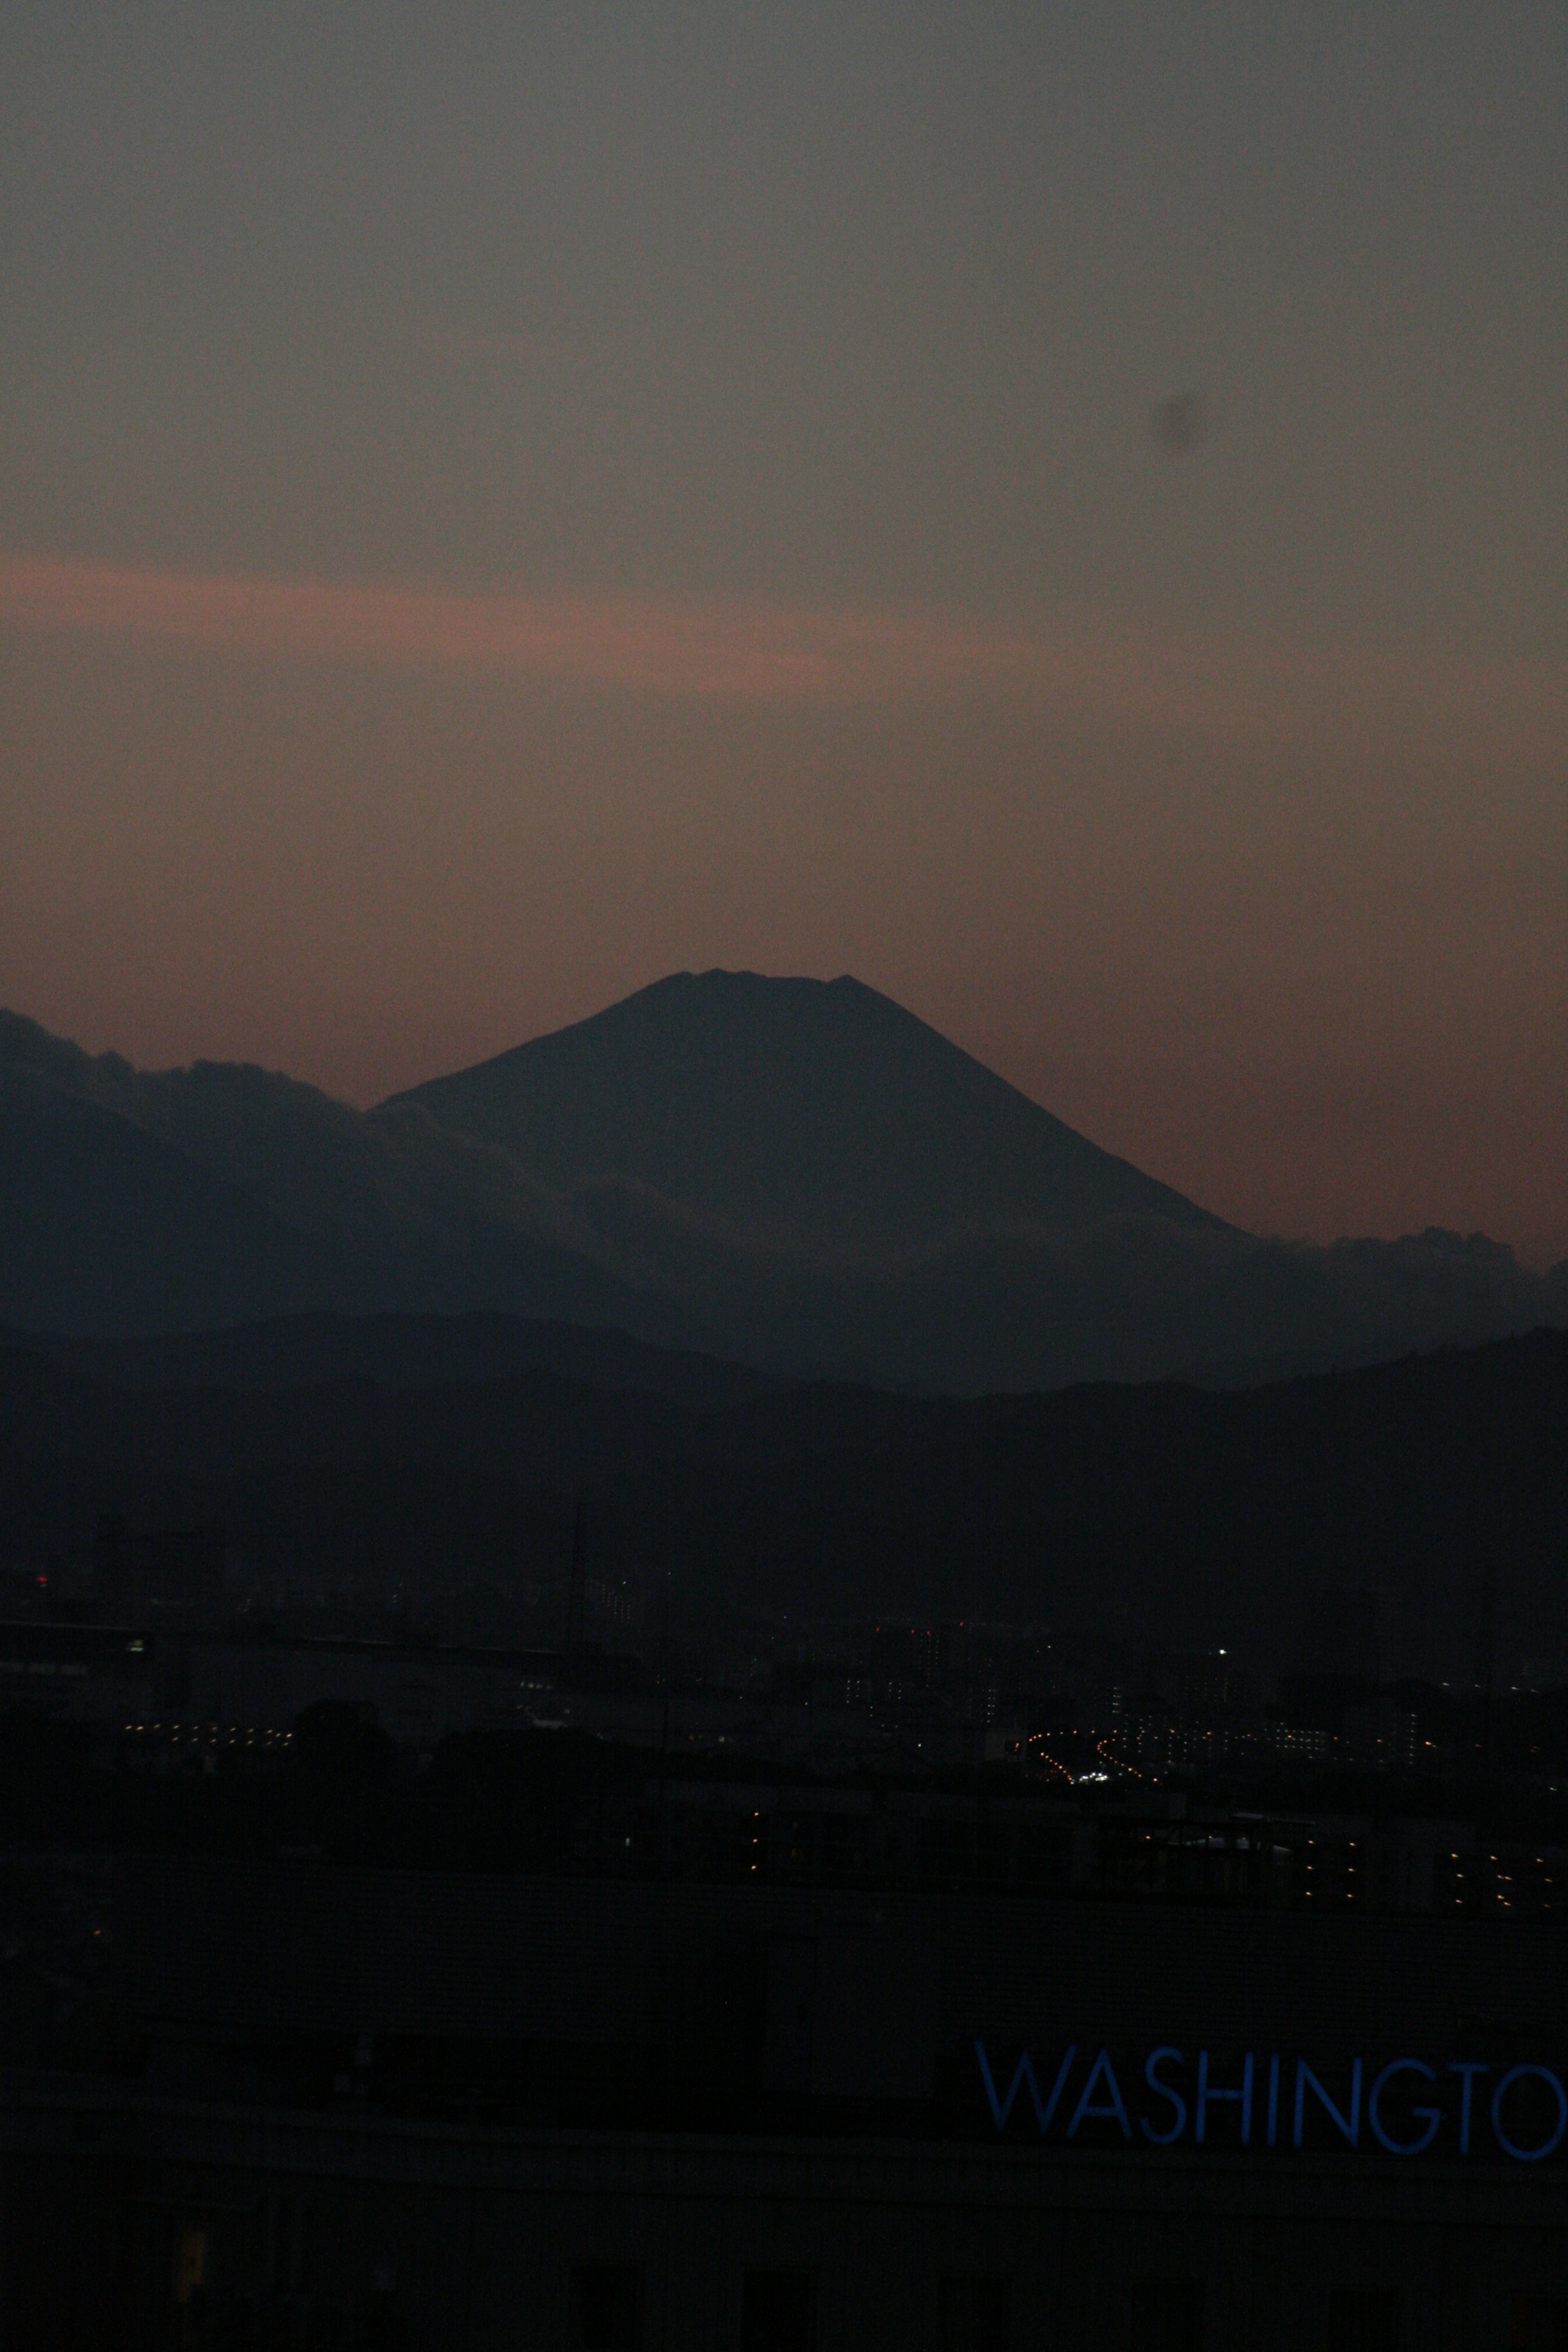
1431 2116
1207 2097
1024 2072
1470 2074
1273 2096
1164 2139
1528 2155
1113 2111
1350 2124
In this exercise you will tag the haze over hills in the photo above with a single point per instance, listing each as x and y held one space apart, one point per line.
795 1174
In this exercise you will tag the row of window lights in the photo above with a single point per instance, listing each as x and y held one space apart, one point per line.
210 1735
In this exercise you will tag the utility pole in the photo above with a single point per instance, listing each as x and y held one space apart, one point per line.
577 1593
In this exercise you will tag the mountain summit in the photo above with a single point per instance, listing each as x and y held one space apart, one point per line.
814 1117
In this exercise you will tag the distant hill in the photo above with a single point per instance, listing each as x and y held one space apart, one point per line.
792 1174
403 1352
185 1200
1126 1517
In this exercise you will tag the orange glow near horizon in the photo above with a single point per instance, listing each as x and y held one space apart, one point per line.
1289 932
1060 514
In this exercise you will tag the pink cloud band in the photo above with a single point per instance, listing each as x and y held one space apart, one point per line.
759 651
793 655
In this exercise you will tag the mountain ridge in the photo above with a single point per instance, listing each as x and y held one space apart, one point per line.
797 1175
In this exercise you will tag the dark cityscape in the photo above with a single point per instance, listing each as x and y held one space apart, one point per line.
392 1949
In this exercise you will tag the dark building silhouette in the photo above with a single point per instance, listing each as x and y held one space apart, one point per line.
1349 1633
360 2105
171 1571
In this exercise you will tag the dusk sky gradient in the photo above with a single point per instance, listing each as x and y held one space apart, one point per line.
498 504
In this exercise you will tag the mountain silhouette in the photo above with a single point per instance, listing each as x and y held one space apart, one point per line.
807 1116
829 1186
796 1175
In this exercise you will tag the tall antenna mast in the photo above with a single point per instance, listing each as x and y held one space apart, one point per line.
577 1593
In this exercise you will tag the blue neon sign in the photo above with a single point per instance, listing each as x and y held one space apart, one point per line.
1406 2108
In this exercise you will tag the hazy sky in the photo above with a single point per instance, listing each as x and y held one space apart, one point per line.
498 504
